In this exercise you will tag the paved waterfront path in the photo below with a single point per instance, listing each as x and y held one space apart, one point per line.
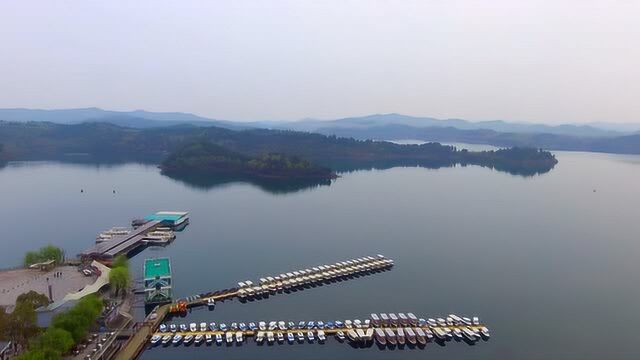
20 281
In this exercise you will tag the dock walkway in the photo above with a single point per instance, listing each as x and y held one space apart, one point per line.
120 244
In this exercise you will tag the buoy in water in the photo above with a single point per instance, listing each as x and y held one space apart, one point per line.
81 190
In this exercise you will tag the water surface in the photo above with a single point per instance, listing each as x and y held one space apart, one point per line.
549 262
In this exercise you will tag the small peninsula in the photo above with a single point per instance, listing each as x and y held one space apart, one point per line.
205 157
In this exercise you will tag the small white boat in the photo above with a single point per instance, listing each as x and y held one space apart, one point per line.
393 319
208 338
420 336
228 336
199 339
368 334
262 325
290 337
429 333
155 339
439 333
239 337
203 326
300 337
280 337
270 338
351 334
188 339
404 320
391 336
177 339
260 337
193 327
457 320
163 328
485 332
411 336
469 334
384 319
379 336
401 336
413 320
173 328
340 336
321 336
166 339
218 338
310 336
475 320
348 324
211 303
282 325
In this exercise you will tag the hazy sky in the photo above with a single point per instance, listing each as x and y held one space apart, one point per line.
545 61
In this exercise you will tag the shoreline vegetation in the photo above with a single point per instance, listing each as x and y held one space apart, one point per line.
44 254
256 154
67 329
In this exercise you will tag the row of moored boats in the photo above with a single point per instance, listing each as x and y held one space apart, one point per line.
300 278
383 328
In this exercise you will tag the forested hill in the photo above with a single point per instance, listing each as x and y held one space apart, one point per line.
106 142
202 157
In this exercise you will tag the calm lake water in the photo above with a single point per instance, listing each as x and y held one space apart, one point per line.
547 262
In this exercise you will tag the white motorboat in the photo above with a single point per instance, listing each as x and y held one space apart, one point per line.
379 336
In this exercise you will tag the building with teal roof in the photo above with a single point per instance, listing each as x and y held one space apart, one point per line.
157 281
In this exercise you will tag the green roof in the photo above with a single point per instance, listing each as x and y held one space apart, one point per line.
157 267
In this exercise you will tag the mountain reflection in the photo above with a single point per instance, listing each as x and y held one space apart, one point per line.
524 170
285 186
273 186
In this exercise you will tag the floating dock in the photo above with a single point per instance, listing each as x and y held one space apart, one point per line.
126 242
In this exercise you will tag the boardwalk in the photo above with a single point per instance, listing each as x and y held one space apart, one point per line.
121 244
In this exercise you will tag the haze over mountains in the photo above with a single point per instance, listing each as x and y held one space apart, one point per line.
599 137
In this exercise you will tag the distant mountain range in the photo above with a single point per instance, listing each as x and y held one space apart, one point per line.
601 137
134 119
382 120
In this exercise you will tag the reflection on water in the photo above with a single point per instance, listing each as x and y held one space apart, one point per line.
284 186
273 186
355 165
